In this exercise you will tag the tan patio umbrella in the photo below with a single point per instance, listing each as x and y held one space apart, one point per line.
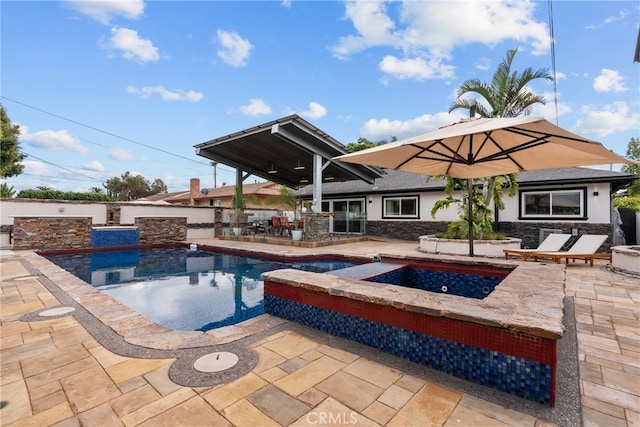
485 147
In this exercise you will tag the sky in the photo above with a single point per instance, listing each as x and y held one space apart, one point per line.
102 88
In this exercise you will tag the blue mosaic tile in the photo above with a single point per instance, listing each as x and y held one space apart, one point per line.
466 285
106 238
524 378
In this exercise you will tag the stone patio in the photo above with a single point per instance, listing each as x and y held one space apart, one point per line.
69 370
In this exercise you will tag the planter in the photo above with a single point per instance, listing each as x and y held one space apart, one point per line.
486 248
296 234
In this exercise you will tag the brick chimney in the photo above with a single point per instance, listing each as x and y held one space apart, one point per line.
194 190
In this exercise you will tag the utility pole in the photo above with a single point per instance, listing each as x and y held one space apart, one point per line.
215 179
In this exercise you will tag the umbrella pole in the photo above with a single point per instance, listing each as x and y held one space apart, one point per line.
470 214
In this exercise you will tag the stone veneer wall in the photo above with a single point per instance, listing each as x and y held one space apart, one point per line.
162 230
529 232
405 230
316 226
51 233
113 214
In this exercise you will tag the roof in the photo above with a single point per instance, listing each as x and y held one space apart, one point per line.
282 151
394 181
264 189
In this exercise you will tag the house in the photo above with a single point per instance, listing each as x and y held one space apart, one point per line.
258 195
398 205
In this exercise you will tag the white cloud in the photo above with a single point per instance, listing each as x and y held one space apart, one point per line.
165 94
103 10
315 111
482 64
131 46
94 166
378 129
621 15
234 49
121 154
52 140
416 68
286 3
616 117
548 110
609 81
255 107
373 26
427 32
33 167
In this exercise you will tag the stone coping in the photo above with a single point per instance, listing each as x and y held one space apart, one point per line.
514 303
135 328
529 300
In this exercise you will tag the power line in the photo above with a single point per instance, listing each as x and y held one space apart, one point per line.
102 131
63 168
553 59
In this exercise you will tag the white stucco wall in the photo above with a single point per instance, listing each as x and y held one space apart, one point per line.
10 209
426 200
598 207
194 215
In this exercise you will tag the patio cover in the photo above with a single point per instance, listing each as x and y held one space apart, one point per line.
289 151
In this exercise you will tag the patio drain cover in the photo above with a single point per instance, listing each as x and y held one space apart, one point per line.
56 311
216 362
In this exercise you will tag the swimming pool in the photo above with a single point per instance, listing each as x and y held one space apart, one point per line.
184 289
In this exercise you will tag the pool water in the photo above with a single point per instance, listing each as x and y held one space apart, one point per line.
181 288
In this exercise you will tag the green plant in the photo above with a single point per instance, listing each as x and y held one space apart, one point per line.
628 203
482 213
6 191
239 204
293 202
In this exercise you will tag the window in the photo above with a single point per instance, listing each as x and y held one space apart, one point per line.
553 203
400 207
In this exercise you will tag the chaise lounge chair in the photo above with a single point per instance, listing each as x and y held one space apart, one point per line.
552 243
584 248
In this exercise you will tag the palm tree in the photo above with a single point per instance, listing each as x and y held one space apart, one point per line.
506 96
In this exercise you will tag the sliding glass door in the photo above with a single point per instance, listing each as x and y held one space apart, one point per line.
349 216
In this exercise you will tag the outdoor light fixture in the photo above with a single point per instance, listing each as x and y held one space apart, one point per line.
595 193
303 180
299 167
328 178
272 170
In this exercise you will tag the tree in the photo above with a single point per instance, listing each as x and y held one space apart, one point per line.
43 192
10 155
158 187
364 143
130 187
6 191
633 153
96 190
630 196
506 96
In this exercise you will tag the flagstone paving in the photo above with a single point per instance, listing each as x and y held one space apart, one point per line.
54 372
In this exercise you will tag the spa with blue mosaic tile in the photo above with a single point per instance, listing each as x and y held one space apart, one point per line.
496 356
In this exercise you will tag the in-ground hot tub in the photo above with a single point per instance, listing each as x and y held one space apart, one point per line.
506 341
